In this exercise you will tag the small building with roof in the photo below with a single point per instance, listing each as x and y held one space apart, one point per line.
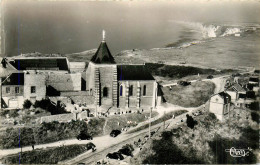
236 91
220 105
12 91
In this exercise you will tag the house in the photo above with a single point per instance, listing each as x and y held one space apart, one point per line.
103 84
12 91
18 87
236 91
220 105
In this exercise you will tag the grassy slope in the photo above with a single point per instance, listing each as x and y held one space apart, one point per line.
112 122
165 117
205 143
193 95
54 131
46 156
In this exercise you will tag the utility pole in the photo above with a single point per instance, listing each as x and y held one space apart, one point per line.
150 122
164 121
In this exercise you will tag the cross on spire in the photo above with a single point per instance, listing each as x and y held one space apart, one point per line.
104 35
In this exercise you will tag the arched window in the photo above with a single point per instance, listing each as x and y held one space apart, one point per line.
131 90
144 90
121 90
105 92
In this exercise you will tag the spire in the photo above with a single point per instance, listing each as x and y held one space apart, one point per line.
104 35
103 55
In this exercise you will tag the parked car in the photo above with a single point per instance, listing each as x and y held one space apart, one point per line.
210 77
115 133
152 133
184 83
115 155
91 146
180 82
84 136
125 151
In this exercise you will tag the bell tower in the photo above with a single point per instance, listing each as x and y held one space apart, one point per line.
102 76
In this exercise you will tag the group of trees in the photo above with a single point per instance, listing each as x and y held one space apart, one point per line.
46 105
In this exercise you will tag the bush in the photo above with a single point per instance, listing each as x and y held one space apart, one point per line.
254 106
255 117
15 137
190 121
45 133
211 116
46 156
47 105
95 126
27 104
166 152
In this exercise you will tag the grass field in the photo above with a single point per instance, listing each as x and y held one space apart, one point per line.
193 95
112 122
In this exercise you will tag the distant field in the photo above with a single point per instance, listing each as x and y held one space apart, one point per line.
174 71
193 95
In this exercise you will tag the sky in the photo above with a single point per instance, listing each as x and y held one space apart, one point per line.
70 27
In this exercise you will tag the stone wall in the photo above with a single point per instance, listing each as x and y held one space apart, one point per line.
60 118
83 115
64 82
12 102
77 66
88 100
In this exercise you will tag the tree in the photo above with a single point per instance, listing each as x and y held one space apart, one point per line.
190 121
27 104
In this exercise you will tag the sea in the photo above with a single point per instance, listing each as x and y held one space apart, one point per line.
210 34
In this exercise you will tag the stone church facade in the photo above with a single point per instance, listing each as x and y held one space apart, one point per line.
123 86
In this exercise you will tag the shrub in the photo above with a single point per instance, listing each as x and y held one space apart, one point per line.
13 137
166 152
129 146
211 116
46 156
190 121
27 104
255 117
254 106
